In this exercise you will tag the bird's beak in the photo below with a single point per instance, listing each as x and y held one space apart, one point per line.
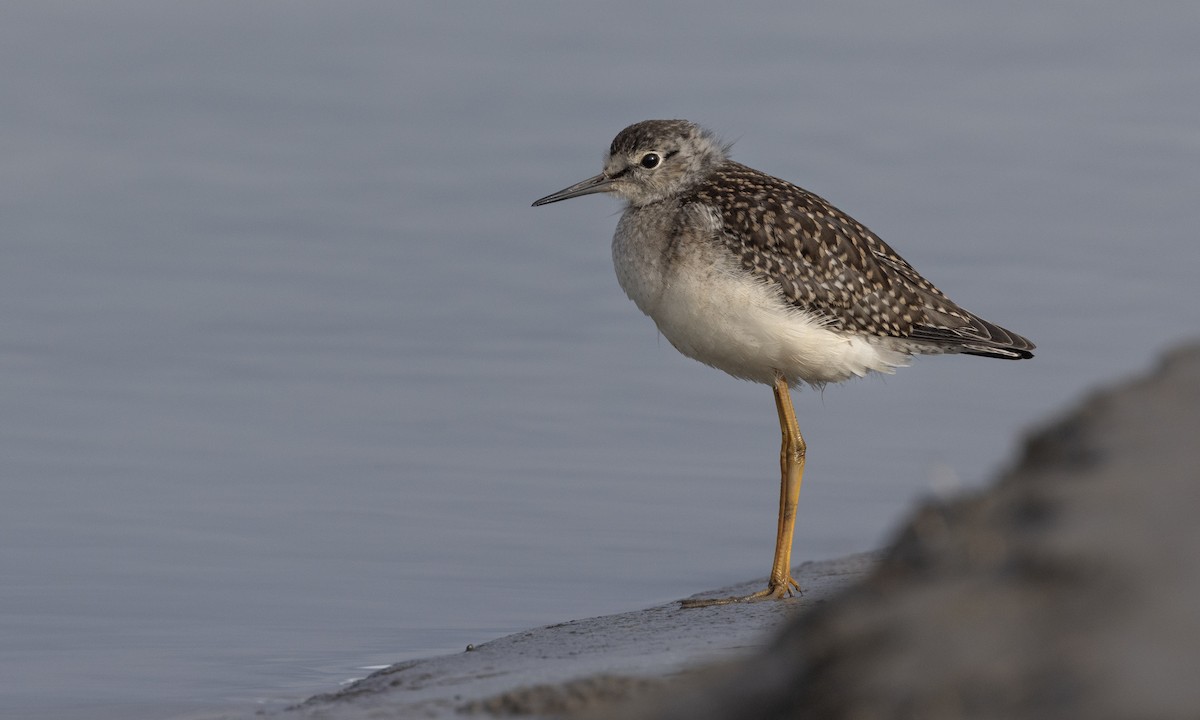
599 183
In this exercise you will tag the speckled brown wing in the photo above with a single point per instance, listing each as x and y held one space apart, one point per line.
827 263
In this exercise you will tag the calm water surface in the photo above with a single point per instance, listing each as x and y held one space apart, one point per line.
294 382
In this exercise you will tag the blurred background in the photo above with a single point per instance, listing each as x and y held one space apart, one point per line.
294 382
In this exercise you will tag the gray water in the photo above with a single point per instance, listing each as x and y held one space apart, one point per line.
294 382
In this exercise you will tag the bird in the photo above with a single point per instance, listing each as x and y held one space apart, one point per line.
770 283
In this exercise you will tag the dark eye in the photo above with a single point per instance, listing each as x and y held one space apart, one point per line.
650 160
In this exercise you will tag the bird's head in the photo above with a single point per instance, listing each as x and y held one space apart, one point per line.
651 161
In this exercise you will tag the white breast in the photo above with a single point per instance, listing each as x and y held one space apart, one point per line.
714 311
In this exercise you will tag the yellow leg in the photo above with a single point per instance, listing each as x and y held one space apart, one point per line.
791 462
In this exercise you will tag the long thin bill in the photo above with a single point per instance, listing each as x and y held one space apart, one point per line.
599 183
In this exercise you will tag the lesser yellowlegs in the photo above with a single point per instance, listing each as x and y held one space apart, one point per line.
767 281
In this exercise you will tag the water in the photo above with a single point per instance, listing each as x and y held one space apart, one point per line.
294 382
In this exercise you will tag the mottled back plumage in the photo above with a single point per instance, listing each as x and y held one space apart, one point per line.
826 262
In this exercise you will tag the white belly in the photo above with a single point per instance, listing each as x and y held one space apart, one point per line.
713 311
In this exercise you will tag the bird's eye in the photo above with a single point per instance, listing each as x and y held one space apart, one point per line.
650 160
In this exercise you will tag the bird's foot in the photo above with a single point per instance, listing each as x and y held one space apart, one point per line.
774 591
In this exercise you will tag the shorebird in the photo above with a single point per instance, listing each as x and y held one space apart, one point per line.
769 282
